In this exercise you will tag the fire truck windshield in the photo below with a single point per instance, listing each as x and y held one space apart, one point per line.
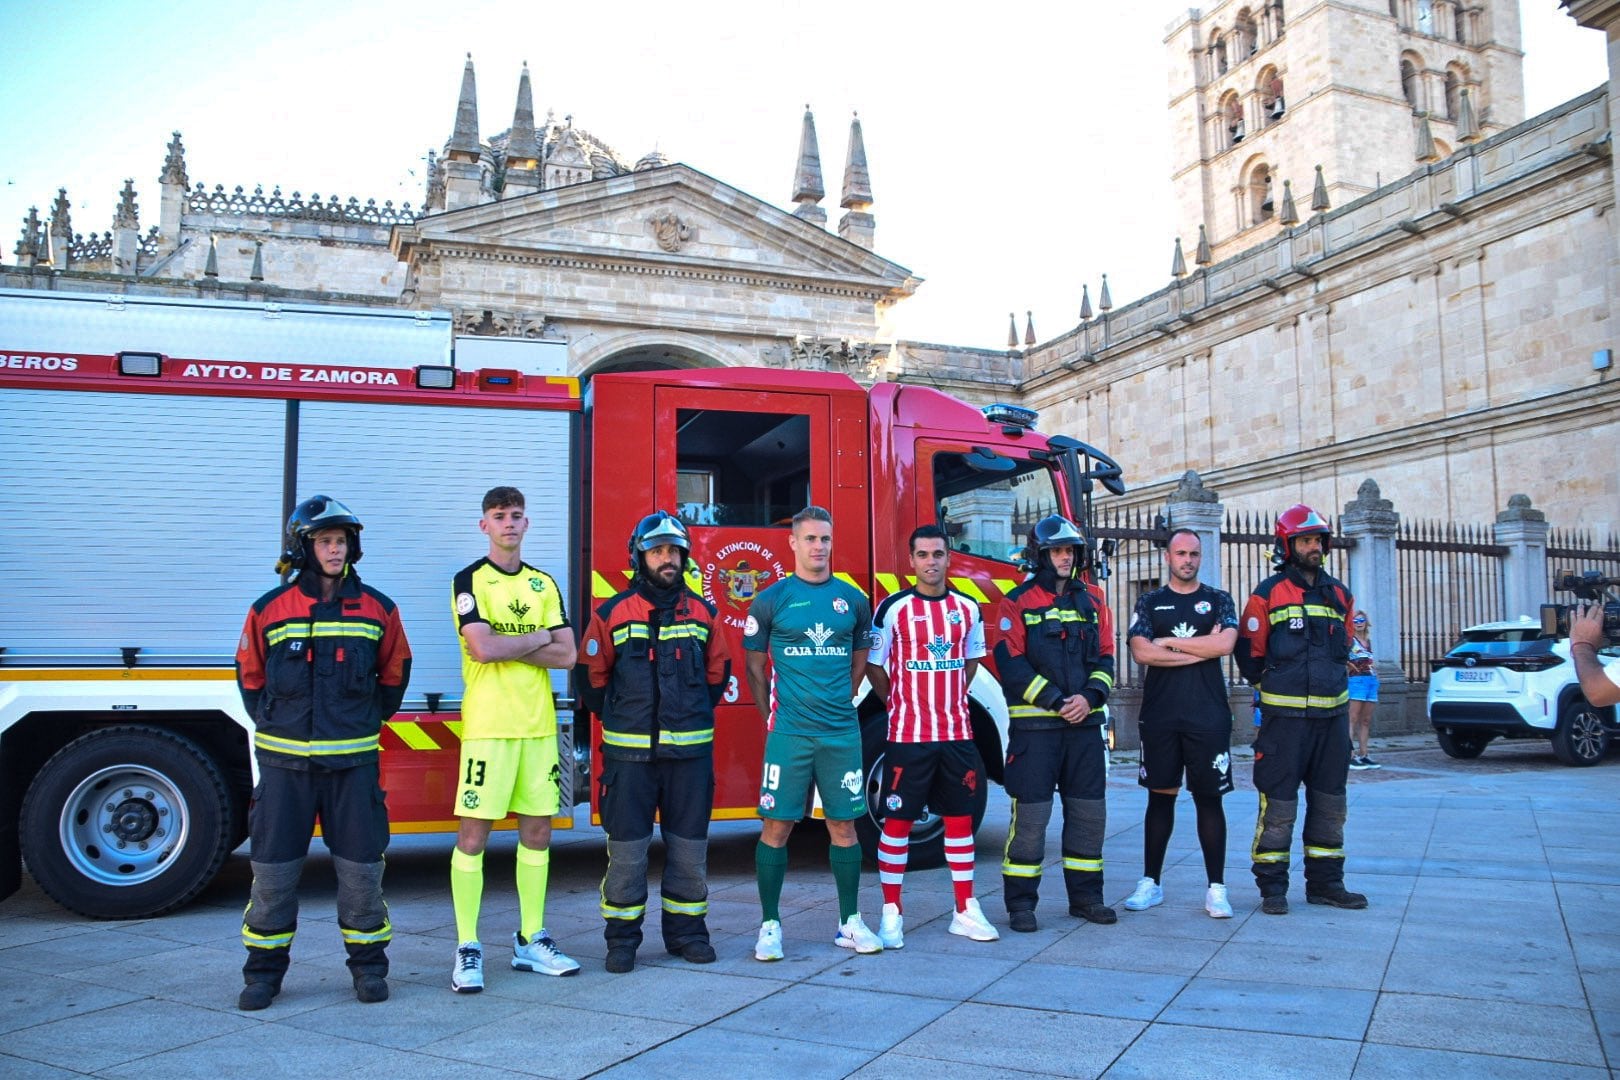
989 514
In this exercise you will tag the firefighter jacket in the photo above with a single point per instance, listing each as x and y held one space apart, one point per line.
655 666
319 678
1293 643
1051 646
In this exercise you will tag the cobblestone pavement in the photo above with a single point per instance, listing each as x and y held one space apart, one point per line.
1490 948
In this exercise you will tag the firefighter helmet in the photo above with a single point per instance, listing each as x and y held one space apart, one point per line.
1054 531
1300 520
311 516
656 529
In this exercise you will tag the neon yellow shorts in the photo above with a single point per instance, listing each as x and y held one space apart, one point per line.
509 776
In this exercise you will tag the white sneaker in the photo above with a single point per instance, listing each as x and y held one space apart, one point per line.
1216 903
769 945
892 927
541 954
854 934
971 924
467 977
1149 893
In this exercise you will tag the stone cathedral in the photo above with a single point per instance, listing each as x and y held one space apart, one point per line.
1384 269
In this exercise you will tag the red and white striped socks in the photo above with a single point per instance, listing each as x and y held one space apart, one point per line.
959 857
893 848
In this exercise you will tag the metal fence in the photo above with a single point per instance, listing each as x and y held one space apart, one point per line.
1450 577
1573 551
1136 567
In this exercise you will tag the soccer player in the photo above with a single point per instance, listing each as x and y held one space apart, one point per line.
514 633
1180 632
806 638
927 642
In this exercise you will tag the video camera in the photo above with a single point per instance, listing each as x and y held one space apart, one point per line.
1588 586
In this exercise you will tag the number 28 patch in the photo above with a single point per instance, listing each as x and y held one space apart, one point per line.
1296 623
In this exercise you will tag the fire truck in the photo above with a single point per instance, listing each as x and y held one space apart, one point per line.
154 447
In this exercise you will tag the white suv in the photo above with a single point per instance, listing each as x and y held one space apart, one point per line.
1507 680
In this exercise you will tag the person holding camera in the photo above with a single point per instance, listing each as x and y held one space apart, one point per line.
1600 679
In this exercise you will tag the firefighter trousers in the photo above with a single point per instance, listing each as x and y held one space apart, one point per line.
1289 751
681 793
349 805
1070 761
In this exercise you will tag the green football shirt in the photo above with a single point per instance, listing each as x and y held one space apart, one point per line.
810 630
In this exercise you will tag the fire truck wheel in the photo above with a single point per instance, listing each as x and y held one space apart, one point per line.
927 850
126 823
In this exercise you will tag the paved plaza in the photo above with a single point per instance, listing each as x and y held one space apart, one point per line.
1491 948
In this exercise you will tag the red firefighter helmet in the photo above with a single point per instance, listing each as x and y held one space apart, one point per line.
1301 520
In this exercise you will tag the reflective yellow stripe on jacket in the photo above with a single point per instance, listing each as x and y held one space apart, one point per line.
315 747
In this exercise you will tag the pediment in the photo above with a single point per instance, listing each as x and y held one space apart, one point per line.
671 215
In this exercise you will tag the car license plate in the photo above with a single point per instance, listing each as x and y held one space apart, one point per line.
1473 676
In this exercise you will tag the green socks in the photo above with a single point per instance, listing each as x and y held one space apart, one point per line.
846 871
770 866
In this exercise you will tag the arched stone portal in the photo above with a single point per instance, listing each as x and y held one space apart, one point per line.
654 350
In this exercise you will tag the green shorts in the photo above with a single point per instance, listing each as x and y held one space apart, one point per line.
509 776
833 762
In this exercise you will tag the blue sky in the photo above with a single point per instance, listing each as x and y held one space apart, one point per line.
1013 157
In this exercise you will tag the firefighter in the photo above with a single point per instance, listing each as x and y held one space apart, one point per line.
1055 657
655 666
323 661
1292 645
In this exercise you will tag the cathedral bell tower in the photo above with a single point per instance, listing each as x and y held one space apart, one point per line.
1263 91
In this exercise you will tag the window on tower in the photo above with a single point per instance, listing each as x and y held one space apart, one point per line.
1409 82
1272 104
1425 16
1453 85
1262 206
1232 112
1247 35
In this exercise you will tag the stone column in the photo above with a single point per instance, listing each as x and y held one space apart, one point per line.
1371 521
1523 530
1193 506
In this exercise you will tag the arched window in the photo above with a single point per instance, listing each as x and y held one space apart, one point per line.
1232 119
1410 85
1270 88
1262 205
1453 85
1248 38
1277 17
1425 16
1217 52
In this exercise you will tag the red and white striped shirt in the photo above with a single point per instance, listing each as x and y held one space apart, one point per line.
924 643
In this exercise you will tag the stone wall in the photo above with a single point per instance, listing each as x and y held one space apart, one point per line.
1439 332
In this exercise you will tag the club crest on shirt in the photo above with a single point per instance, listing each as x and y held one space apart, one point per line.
734 575
954 618
840 605
1202 607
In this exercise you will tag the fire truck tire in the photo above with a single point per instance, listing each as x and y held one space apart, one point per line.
927 850
127 823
